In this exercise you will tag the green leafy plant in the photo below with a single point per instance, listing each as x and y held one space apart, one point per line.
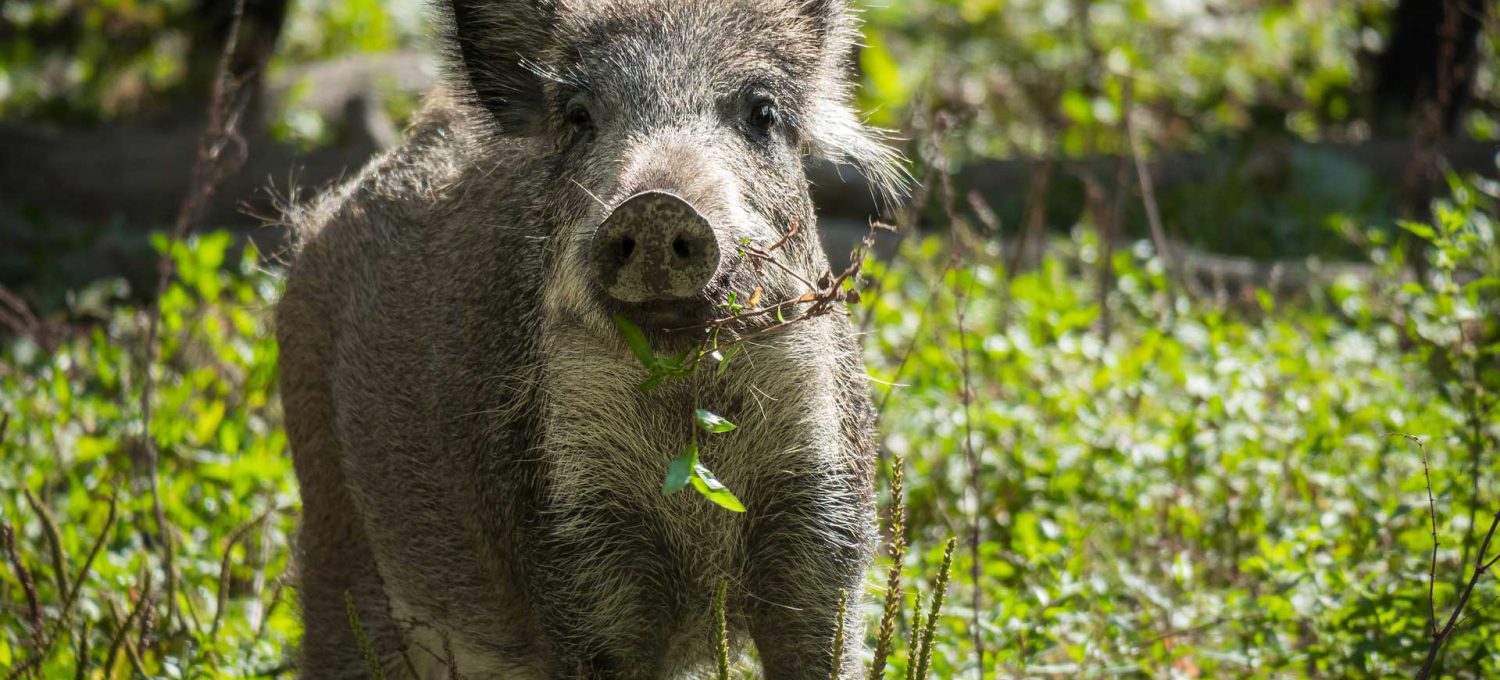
72 485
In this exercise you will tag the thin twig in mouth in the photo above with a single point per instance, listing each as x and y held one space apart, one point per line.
782 241
764 256
805 297
821 298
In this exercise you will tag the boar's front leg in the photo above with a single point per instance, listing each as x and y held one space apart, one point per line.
802 559
602 588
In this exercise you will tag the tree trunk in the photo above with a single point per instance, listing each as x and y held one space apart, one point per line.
1428 60
209 24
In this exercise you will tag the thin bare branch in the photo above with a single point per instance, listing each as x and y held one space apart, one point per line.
54 539
221 152
221 596
1481 566
1432 516
123 626
88 565
28 584
965 297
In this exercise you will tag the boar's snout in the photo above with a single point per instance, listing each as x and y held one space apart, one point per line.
654 248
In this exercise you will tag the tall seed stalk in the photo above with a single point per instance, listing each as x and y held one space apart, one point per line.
721 629
914 647
893 592
924 658
366 650
838 638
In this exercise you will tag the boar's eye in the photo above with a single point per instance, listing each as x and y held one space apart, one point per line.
763 115
579 118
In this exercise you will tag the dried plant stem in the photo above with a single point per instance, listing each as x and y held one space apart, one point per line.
975 527
42 640
141 611
1474 441
54 539
88 564
221 596
1153 212
81 654
270 608
123 626
1033 236
826 296
1432 565
28 584
906 352
1481 566
18 317
1432 517
221 151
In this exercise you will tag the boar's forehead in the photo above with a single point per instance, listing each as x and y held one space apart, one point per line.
690 54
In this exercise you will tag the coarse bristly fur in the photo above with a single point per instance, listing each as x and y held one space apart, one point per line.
479 470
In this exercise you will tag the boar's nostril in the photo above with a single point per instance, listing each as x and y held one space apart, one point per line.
627 247
681 248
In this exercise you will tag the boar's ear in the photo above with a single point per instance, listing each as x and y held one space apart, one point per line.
493 47
837 133
835 130
834 23
827 15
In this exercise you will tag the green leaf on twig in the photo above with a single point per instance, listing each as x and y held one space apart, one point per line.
712 423
714 490
680 469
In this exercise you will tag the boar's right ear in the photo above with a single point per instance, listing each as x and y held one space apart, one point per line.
494 47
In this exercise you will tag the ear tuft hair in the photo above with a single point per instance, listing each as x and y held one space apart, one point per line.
492 48
838 135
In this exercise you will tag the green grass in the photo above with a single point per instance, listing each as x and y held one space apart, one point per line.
1212 490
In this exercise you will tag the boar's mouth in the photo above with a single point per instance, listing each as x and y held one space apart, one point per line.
676 319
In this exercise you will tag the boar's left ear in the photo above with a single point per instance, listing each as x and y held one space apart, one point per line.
833 22
834 128
493 48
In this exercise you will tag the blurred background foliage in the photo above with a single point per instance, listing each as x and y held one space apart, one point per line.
1172 472
1036 77
84 61
1274 122
1043 77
